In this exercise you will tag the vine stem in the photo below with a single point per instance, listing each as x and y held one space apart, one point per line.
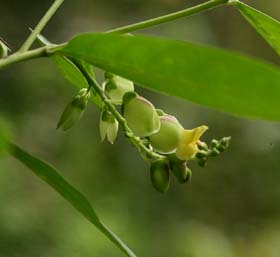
169 17
39 27
28 55
23 54
136 141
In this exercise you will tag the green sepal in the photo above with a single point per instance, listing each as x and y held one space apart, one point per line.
116 86
127 97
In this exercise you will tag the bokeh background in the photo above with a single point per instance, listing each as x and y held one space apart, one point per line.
229 209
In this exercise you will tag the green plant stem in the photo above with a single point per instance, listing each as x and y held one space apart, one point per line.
136 141
42 23
40 52
28 55
169 17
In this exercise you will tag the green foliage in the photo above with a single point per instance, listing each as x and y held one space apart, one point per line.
268 27
74 76
206 75
51 176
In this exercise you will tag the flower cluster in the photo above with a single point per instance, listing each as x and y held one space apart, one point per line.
172 146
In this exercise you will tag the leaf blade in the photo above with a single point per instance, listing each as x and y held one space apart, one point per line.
205 75
75 77
266 26
50 175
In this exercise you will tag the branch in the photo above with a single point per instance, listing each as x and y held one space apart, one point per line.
136 141
42 23
169 17
37 53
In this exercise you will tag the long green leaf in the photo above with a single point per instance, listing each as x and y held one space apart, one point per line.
74 76
51 176
267 27
205 75
70 71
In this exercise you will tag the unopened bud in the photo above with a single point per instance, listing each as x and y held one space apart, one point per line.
166 140
140 115
160 175
225 142
74 110
202 145
180 170
202 162
214 152
108 126
214 143
201 154
116 86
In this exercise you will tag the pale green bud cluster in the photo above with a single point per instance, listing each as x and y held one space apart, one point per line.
161 133
160 137
160 173
215 149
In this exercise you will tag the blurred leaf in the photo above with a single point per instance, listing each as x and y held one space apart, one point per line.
206 75
51 176
268 27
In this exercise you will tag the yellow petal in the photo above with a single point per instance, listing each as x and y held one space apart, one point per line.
187 146
185 152
198 132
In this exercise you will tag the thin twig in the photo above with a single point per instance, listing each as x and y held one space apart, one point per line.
169 17
40 26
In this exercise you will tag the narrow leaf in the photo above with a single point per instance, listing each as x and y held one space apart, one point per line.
51 176
205 75
266 26
74 76
70 71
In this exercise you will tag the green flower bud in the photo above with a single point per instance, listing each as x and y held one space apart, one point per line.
214 143
116 86
74 110
140 115
108 126
202 145
160 175
201 154
180 170
3 49
213 153
202 162
225 142
169 135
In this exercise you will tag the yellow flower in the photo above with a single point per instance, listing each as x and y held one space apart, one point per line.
187 147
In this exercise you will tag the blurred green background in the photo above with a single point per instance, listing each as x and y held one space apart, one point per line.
229 209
